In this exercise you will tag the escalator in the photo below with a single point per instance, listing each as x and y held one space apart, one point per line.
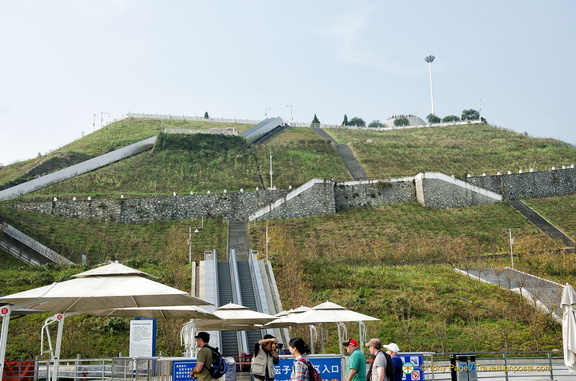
229 339
248 299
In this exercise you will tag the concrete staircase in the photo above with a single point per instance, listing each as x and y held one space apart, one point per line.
541 223
354 167
26 249
238 238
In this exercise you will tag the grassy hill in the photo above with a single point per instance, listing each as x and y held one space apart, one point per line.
394 262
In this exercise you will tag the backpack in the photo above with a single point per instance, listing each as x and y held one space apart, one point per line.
219 367
313 374
389 371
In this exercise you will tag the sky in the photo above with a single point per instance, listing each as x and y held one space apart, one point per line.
67 67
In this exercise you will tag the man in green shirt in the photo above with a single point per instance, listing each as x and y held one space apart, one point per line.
204 358
356 363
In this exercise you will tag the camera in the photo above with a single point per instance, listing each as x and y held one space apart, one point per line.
279 346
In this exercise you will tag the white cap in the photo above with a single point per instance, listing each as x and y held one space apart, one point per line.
393 347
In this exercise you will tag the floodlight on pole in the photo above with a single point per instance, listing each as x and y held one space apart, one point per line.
429 60
291 114
102 118
190 238
511 243
266 112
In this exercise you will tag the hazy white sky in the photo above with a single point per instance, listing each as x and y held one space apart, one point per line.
62 61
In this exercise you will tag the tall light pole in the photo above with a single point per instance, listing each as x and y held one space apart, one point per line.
190 238
511 243
430 59
102 118
266 112
271 172
291 115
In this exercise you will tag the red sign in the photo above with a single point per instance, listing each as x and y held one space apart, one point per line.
4 311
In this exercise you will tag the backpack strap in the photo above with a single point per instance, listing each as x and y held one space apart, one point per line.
309 366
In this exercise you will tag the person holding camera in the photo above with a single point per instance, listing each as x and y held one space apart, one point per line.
265 357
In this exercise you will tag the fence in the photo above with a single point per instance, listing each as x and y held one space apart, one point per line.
489 366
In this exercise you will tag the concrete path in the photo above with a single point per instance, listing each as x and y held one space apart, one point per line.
354 167
238 238
544 291
541 223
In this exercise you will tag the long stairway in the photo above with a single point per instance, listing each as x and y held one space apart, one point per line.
541 223
354 167
238 239
26 249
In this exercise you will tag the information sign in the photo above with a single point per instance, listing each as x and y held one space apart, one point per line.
181 370
142 337
329 368
411 367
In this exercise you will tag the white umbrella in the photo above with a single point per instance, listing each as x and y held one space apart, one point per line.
235 317
285 318
165 312
100 289
328 312
568 305
107 287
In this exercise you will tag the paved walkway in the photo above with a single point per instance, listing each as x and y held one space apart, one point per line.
541 223
542 290
354 167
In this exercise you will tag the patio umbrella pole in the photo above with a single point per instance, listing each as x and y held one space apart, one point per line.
56 357
5 312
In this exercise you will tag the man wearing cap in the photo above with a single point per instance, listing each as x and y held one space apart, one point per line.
204 357
393 349
378 367
356 363
265 357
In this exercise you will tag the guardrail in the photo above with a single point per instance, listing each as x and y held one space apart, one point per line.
495 366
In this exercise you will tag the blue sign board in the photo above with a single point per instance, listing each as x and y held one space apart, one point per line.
328 367
181 370
411 368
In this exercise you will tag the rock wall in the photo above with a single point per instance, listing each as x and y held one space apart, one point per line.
433 190
556 182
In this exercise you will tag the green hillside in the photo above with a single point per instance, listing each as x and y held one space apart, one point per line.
394 262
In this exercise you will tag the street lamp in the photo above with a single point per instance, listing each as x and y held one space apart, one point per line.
266 112
429 60
511 243
291 115
267 239
102 118
190 238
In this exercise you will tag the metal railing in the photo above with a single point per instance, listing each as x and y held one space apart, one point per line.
494 366
505 366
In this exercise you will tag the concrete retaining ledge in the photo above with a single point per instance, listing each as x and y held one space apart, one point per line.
77 169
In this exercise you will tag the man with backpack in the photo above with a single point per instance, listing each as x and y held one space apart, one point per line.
204 358
381 368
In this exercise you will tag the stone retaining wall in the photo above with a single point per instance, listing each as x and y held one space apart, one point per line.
551 183
433 190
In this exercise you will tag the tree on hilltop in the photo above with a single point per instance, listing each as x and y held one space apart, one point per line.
431 118
345 121
470 114
451 118
315 122
206 116
402 121
375 123
357 122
